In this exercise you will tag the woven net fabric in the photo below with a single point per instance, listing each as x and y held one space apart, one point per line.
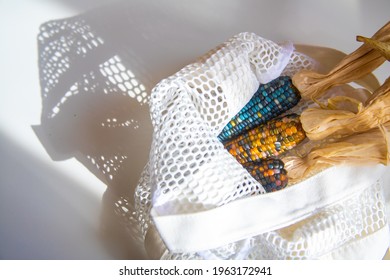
189 170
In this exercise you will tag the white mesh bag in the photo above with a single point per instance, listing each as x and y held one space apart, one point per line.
195 201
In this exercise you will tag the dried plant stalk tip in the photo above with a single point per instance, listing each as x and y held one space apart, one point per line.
382 47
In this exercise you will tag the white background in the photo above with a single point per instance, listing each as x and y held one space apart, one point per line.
51 209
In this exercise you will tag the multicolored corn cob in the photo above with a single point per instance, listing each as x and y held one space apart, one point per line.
267 140
270 173
269 101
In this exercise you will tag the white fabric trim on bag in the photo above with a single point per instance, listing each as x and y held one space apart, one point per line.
251 216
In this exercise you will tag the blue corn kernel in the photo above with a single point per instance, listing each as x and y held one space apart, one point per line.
269 101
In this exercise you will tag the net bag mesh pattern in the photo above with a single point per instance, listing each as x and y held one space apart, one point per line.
189 170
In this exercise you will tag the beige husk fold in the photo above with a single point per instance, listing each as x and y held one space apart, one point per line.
354 66
346 115
368 148
352 128
382 47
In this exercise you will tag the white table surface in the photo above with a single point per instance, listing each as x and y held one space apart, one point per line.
51 209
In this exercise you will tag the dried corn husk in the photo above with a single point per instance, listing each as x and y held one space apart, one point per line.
328 58
382 47
368 148
354 66
352 127
345 115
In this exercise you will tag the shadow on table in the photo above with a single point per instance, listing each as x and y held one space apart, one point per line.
95 108
96 71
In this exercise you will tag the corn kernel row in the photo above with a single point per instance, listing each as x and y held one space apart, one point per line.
270 173
269 101
268 140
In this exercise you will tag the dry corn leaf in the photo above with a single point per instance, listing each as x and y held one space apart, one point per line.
328 58
354 66
360 94
353 126
345 115
380 91
370 147
382 47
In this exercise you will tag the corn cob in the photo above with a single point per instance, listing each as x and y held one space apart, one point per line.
267 140
269 101
270 173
